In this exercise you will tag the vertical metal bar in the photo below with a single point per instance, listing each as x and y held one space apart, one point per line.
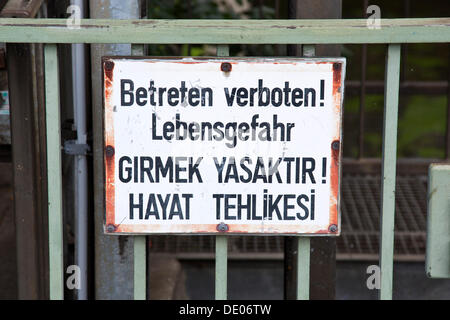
362 101
290 249
362 91
27 123
221 241
290 268
447 131
140 268
260 9
309 50
140 256
277 16
189 14
223 50
389 169
292 49
221 267
55 219
438 238
323 249
303 262
114 260
80 161
41 166
404 56
304 243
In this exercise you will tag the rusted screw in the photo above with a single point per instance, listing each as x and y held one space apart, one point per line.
335 145
110 228
337 66
109 65
222 227
109 151
333 228
225 67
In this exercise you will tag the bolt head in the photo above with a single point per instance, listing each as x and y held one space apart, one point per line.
225 67
110 228
109 150
337 66
109 65
333 228
335 145
222 227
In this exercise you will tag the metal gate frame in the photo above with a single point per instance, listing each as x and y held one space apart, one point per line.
393 32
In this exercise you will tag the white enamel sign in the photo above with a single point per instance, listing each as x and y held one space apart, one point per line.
222 145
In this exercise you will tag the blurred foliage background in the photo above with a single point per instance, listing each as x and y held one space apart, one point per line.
422 115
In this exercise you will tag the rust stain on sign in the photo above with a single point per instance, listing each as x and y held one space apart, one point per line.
108 67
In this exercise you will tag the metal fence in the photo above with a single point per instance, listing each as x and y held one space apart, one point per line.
222 33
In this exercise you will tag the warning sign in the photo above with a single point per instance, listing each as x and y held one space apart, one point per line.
222 145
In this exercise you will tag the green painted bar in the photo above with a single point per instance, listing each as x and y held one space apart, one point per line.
221 241
304 243
389 169
140 270
309 50
221 267
140 256
137 49
55 218
438 225
303 276
226 31
223 51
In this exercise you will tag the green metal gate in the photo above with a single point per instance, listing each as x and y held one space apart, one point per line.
222 33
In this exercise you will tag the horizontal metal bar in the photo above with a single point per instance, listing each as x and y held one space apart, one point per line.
225 31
